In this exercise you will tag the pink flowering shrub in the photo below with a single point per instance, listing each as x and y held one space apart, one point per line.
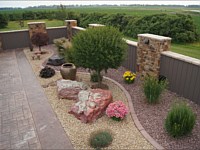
117 110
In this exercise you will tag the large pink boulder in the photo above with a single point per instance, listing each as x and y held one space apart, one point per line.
69 89
91 104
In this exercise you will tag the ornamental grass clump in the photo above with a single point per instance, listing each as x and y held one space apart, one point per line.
100 139
62 45
153 88
117 110
129 77
180 120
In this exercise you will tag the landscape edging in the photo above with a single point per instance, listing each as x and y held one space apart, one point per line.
134 116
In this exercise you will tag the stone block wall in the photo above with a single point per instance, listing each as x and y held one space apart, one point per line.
149 51
70 24
35 27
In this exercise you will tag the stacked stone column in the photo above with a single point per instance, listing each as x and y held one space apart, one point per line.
70 24
35 27
149 51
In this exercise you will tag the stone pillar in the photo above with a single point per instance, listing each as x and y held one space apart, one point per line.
70 24
95 25
149 51
35 27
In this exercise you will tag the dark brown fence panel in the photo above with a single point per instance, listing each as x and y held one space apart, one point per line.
15 39
57 32
183 75
20 38
130 61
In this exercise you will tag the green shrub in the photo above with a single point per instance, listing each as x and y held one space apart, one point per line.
62 45
180 120
3 20
87 18
99 49
153 88
68 55
65 49
100 139
180 27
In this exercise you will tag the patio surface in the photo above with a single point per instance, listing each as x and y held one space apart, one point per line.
27 120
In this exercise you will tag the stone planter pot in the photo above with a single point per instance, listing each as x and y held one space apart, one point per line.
68 71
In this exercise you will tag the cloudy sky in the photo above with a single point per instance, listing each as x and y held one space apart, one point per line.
22 3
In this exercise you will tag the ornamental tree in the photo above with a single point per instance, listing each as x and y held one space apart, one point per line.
40 39
99 49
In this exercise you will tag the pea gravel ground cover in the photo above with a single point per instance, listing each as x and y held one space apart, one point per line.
125 134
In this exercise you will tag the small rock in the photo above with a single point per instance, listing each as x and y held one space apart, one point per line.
45 86
56 60
33 57
52 83
38 56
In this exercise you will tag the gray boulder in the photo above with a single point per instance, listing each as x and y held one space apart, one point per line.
56 60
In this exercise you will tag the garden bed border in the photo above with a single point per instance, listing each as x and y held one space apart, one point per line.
134 116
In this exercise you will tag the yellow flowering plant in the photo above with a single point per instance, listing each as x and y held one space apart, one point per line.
129 77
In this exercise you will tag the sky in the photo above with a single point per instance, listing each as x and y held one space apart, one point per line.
23 4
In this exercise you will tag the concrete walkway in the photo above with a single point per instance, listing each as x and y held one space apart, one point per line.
27 120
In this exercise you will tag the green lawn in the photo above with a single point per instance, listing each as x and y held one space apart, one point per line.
14 25
192 50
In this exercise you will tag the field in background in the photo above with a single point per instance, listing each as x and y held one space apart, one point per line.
192 50
14 25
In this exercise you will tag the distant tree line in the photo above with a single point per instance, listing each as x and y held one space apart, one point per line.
179 27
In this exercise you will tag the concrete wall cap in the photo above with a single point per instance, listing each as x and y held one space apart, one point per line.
70 20
153 36
96 25
12 31
79 28
129 42
35 23
182 57
49 28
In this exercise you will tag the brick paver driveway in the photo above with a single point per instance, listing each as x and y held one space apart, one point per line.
26 118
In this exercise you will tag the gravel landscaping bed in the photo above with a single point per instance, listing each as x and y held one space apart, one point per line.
151 117
125 134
